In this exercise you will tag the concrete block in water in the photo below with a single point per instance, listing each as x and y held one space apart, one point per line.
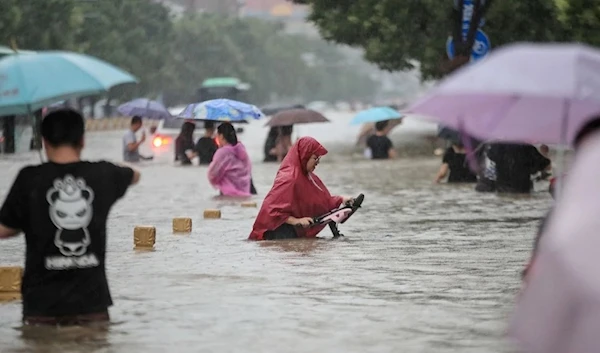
144 237
212 214
10 283
182 225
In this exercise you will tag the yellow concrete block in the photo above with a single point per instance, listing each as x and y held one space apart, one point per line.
249 204
182 225
10 279
10 283
144 237
212 214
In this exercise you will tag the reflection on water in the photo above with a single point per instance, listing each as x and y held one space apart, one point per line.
63 339
423 267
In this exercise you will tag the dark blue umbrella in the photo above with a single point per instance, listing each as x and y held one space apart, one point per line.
145 108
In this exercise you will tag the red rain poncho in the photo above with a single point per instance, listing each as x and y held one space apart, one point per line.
295 192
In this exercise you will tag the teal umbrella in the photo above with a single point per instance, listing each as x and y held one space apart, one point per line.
376 114
30 82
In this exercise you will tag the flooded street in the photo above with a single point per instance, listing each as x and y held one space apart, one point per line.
422 268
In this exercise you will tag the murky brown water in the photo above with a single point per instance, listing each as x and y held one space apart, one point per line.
423 267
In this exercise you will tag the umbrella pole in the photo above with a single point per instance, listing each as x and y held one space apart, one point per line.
34 135
560 158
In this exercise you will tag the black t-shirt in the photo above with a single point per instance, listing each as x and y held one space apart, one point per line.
459 170
62 209
380 146
206 148
515 163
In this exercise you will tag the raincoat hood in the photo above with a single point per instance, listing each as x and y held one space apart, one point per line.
238 151
295 193
298 156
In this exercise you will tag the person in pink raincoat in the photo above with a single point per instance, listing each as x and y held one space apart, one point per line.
230 170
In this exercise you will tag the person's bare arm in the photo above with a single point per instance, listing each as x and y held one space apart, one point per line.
6 232
136 177
392 153
442 172
291 220
135 145
304 222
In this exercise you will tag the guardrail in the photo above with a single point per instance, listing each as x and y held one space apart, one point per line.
109 124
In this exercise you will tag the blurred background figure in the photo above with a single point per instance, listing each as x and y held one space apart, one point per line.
515 164
278 143
379 145
130 143
184 144
206 145
230 170
455 166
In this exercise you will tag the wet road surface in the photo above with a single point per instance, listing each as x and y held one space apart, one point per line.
423 267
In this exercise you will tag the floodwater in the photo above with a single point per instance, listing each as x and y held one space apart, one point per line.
423 267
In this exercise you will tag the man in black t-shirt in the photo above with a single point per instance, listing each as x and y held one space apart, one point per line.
379 145
206 145
62 207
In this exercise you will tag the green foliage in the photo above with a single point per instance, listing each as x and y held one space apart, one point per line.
133 34
582 20
174 55
398 34
39 24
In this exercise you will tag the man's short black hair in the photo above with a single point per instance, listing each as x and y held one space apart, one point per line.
63 127
209 125
381 125
136 120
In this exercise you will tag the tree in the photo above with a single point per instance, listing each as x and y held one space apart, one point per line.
401 34
261 54
174 55
582 20
39 24
135 35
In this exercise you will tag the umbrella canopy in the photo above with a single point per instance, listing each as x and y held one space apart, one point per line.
30 82
187 112
296 116
521 92
224 110
376 114
274 109
145 108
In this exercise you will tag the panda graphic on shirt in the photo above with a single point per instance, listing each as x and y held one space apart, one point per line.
70 200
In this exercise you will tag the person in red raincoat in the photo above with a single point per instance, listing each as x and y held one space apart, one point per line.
297 196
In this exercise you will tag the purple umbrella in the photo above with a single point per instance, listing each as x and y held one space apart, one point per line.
145 108
540 93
